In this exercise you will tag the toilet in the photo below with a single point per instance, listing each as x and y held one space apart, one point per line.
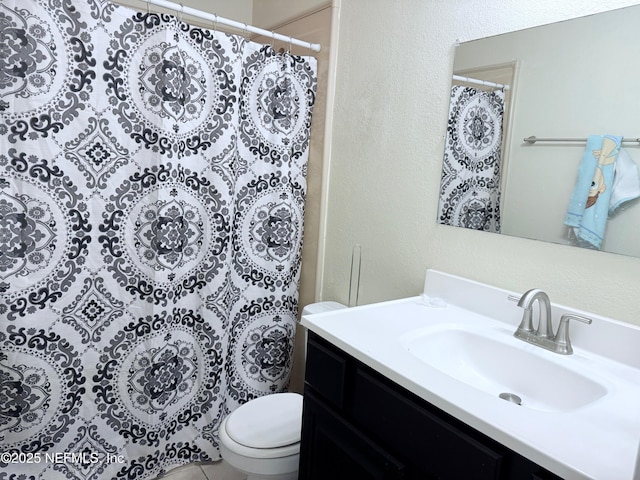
262 437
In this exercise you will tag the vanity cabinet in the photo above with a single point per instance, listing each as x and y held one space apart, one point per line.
357 424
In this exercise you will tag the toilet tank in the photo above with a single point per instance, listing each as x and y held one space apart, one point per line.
320 307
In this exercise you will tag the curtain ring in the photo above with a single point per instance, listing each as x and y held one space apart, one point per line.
181 13
244 31
215 26
290 40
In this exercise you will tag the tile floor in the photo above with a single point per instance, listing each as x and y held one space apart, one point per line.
203 471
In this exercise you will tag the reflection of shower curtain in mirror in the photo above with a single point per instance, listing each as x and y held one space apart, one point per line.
470 187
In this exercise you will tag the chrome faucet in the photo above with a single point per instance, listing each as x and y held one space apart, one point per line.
545 329
543 336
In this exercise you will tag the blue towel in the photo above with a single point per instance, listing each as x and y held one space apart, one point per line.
589 204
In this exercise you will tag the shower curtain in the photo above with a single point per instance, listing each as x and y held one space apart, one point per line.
152 188
470 184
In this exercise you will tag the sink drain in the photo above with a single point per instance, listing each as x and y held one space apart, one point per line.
511 397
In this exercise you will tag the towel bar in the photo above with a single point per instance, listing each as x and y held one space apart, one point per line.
533 139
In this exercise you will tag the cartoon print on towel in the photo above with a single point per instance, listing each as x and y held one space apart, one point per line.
589 204
597 187
606 156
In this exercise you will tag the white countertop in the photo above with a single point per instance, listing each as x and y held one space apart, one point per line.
598 441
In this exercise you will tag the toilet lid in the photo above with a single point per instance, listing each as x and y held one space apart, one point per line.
270 421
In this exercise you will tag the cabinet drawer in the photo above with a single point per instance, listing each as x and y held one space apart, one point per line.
430 443
325 370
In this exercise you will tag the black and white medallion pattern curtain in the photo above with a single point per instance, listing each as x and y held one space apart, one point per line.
152 188
470 184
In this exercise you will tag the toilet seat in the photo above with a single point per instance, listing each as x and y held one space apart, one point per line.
267 427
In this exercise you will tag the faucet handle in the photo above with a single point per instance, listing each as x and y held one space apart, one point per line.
562 340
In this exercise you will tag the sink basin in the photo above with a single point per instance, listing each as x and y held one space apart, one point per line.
498 366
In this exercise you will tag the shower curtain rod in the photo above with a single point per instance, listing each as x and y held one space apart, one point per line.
480 82
232 23
533 139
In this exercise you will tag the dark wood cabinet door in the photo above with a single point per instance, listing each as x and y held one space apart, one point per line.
332 449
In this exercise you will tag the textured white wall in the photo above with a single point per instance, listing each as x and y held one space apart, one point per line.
269 13
394 62
238 10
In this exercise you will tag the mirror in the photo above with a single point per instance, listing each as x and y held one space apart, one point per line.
564 82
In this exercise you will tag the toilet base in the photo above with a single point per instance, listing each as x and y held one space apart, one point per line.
269 468
283 476
254 476
265 476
